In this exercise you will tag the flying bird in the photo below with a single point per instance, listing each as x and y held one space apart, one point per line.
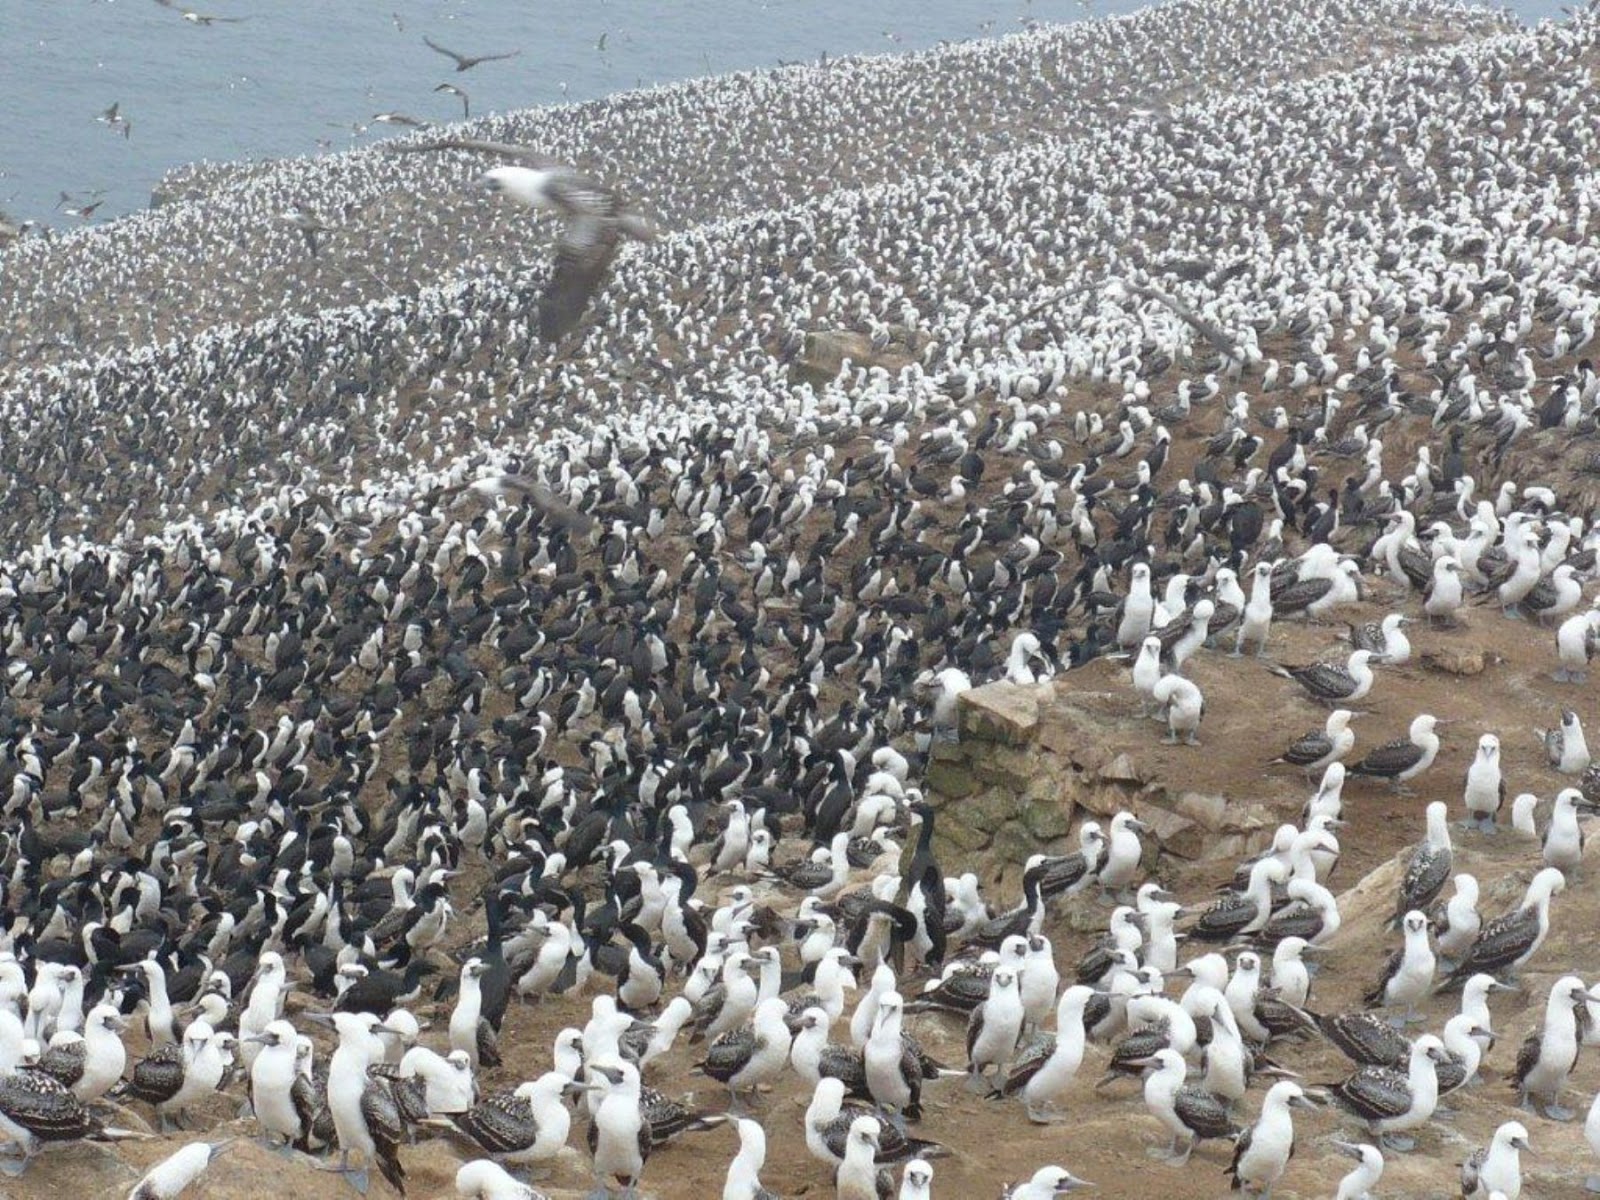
200 18
465 62
595 222
112 118
399 118
460 94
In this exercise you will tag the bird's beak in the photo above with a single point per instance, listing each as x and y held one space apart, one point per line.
1522 1144
1496 986
1350 1148
1302 1102
260 1038
1071 1183
218 1147
321 1018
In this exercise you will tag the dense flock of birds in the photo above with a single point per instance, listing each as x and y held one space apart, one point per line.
420 656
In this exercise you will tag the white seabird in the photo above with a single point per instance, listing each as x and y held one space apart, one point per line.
1364 1176
1545 1062
1191 1114
1407 976
1485 790
1565 747
1261 1153
1497 1167
994 1028
916 1181
169 1177
1457 922
1403 759
1562 844
485 1180
1391 1101
1508 941
595 222
1046 1183
1044 1070
744 1172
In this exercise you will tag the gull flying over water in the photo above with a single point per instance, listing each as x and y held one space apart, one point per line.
595 222
465 62
200 18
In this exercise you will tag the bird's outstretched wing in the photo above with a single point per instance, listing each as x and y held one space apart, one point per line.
556 511
522 154
583 253
433 45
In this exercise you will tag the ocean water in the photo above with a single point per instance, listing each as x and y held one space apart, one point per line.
295 77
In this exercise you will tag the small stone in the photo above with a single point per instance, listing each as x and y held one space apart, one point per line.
1173 833
1456 660
1048 820
1000 712
1121 770
949 779
1209 811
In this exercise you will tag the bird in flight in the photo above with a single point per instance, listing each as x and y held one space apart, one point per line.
112 118
465 62
595 222
459 94
399 118
200 18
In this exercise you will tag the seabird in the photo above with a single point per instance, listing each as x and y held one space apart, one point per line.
485 1180
280 1096
460 94
1314 750
465 62
1405 758
1408 974
744 1172
1391 1101
1334 683
1565 748
827 1123
594 216
1192 1114
528 1124
1563 841
1508 941
1261 1153
1364 1176
169 1177
1048 1065
1456 923
35 1109
1046 1183
745 1058
366 1119
916 1181
1548 1055
1497 1167
1486 786
1429 866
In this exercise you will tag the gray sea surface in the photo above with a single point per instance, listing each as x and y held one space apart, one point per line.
293 77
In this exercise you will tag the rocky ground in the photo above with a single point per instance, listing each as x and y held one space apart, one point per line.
1096 755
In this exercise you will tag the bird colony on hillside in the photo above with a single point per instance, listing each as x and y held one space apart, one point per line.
324 618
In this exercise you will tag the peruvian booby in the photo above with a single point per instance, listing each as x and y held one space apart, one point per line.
1191 1114
1497 1167
1261 1153
1392 1101
1405 758
596 222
